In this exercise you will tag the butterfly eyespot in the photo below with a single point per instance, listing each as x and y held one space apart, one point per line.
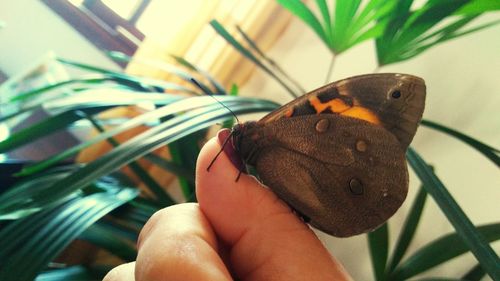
356 187
361 146
322 125
396 94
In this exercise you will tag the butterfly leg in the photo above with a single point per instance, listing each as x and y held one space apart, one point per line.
243 166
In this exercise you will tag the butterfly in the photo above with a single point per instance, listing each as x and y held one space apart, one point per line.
336 155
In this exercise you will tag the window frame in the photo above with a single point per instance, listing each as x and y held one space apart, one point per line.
101 25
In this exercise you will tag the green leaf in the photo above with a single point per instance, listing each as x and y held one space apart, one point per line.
348 25
29 189
185 153
467 233
345 12
134 83
72 273
474 274
327 19
234 90
88 67
379 247
44 89
170 166
45 128
304 13
478 7
441 250
93 98
487 150
409 228
142 144
440 279
409 34
137 212
279 70
105 237
168 68
29 244
217 86
246 53
173 108
140 172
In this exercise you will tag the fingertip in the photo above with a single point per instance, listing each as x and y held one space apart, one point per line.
230 204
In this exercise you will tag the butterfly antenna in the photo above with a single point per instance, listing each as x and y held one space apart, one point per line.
220 151
209 94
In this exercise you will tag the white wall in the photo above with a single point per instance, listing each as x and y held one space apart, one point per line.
32 29
463 79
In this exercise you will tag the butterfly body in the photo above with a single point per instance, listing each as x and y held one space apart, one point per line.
337 154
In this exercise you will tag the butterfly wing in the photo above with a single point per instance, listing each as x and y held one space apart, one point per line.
345 175
394 101
337 154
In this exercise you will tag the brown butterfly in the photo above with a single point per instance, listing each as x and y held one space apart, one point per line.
337 154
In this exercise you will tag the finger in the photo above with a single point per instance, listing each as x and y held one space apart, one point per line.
268 241
177 243
124 272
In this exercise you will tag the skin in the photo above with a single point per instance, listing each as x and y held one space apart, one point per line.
238 231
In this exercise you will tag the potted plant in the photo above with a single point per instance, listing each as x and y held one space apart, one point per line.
52 203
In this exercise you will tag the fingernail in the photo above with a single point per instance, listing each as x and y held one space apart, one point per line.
228 148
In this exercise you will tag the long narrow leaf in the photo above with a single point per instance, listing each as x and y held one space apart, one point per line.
473 239
45 128
479 6
218 87
487 150
379 248
29 189
410 34
442 250
408 229
137 169
171 109
245 52
171 69
73 273
93 97
327 19
184 153
142 144
103 237
67 221
170 166
269 60
474 274
304 13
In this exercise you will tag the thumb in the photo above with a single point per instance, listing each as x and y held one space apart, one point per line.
266 240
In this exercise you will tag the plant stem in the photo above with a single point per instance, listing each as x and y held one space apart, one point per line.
330 69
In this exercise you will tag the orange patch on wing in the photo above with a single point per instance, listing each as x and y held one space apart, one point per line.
335 105
289 112
362 113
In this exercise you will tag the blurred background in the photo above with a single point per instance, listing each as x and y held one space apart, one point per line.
462 77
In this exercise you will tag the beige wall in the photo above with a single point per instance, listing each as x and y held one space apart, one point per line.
463 80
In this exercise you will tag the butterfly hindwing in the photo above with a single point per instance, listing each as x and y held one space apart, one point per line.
345 175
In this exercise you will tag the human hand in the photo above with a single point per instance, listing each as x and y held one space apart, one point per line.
238 230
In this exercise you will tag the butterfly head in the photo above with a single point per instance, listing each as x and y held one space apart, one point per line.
397 100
